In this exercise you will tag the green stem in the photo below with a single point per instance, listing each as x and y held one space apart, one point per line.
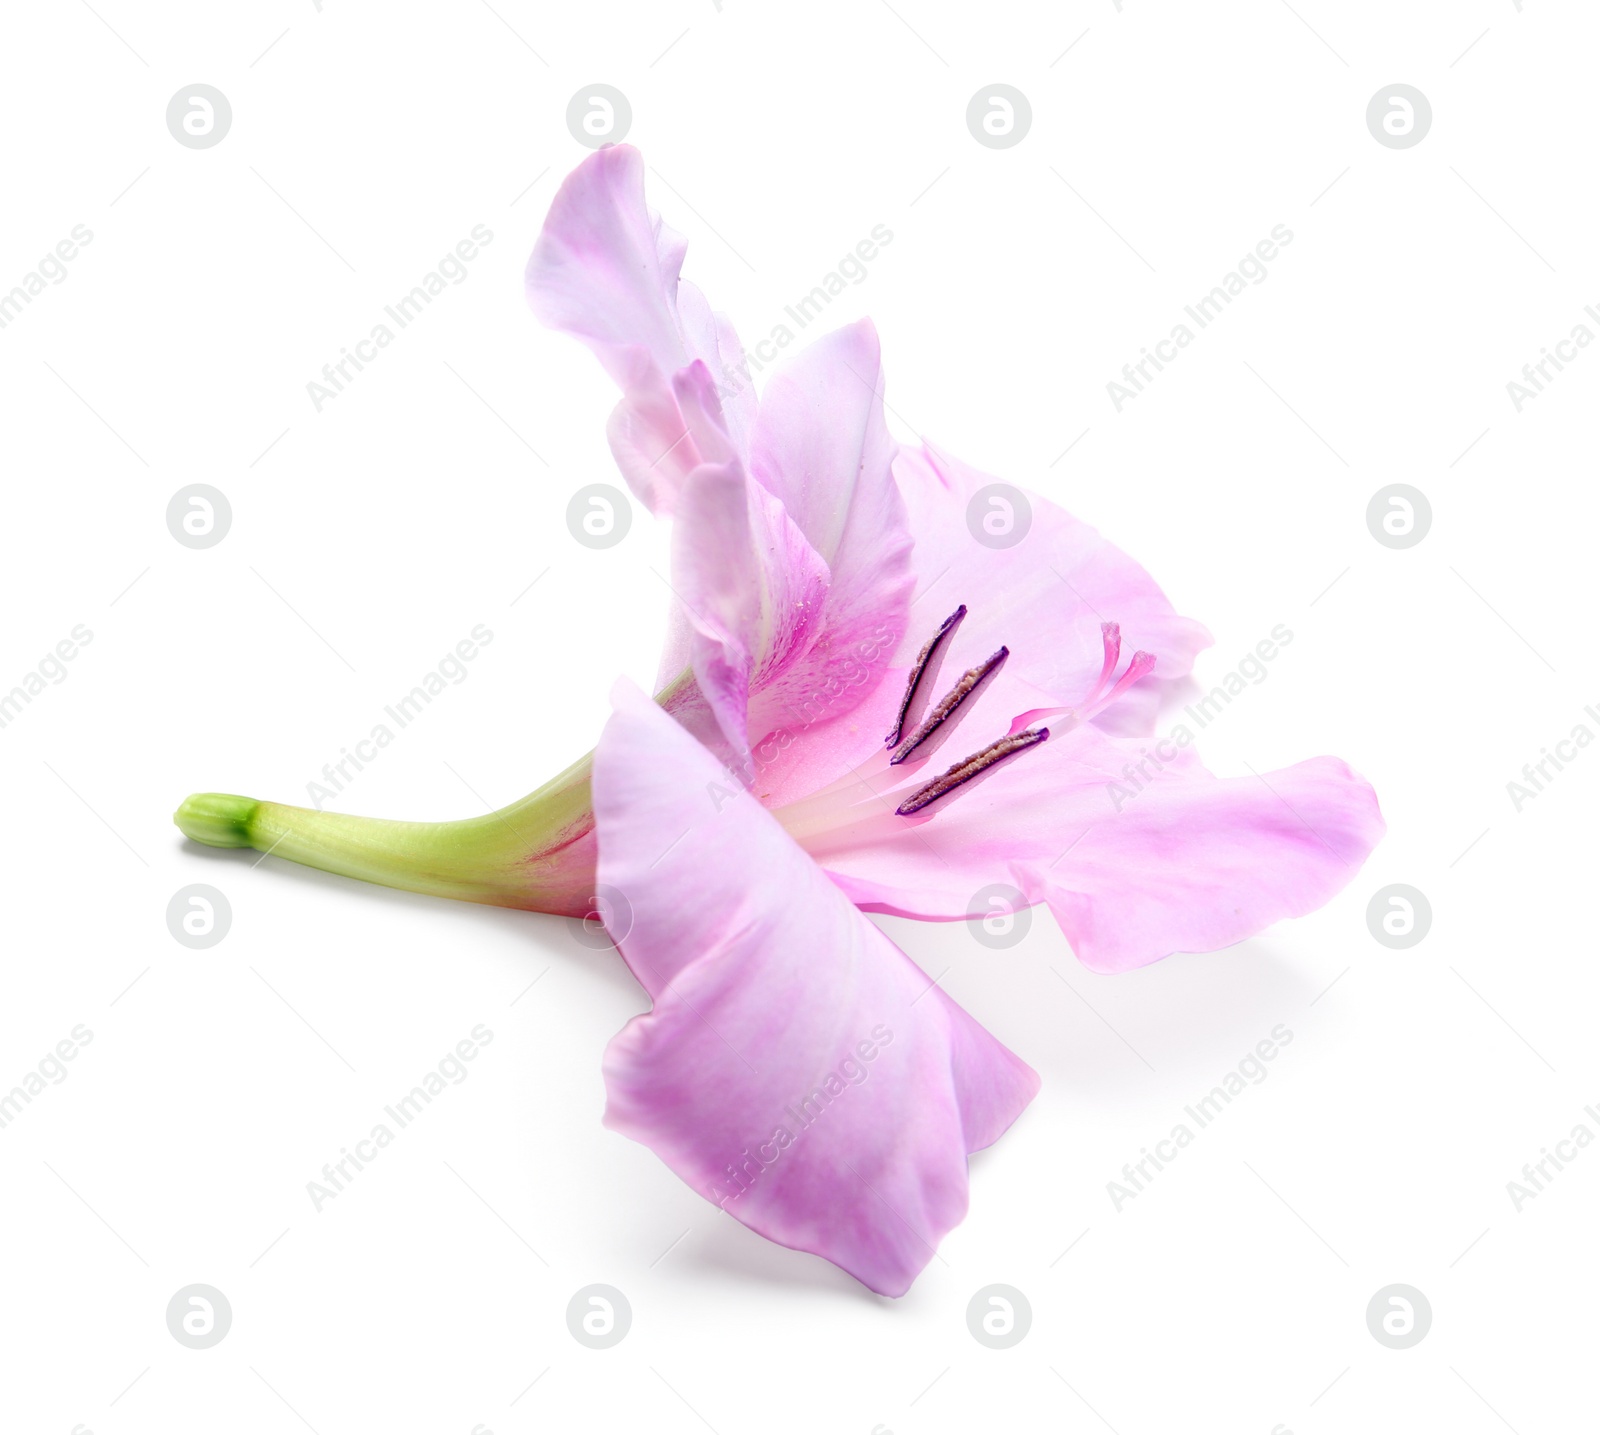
537 854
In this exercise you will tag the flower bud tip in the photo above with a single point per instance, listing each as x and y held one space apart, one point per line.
217 819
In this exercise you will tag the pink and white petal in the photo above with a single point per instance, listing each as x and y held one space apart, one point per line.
825 746
796 1068
660 433
606 270
1195 863
1046 596
751 588
846 752
820 445
705 422
712 340
652 446
1139 851
704 440
1046 599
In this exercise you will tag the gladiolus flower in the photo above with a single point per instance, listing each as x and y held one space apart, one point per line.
812 559
805 760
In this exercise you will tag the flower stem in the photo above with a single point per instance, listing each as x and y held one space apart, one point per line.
537 854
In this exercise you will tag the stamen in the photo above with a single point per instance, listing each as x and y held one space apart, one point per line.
969 768
930 650
950 704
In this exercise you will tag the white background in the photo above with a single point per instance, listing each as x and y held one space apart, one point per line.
369 538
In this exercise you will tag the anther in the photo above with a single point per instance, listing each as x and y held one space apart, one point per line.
967 769
930 650
969 683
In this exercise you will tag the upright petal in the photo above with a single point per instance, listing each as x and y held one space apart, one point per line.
796 1068
606 270
820 445
752 590
1047 595
704 440
1047 598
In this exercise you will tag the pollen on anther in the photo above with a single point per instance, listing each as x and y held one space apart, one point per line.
930 650
968 768
951 703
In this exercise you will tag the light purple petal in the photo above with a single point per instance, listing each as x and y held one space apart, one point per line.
820 446
1194 863
606 270
1046 596
796 1068
751 589
1139 851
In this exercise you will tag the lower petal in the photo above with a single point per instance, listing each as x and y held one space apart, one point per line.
1137 849
797 1069
1196 863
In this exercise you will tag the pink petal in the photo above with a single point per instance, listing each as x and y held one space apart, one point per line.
1193 863
823 456
789 1040
605 270
752 591
704 440
1046 597
820 446
1135 863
